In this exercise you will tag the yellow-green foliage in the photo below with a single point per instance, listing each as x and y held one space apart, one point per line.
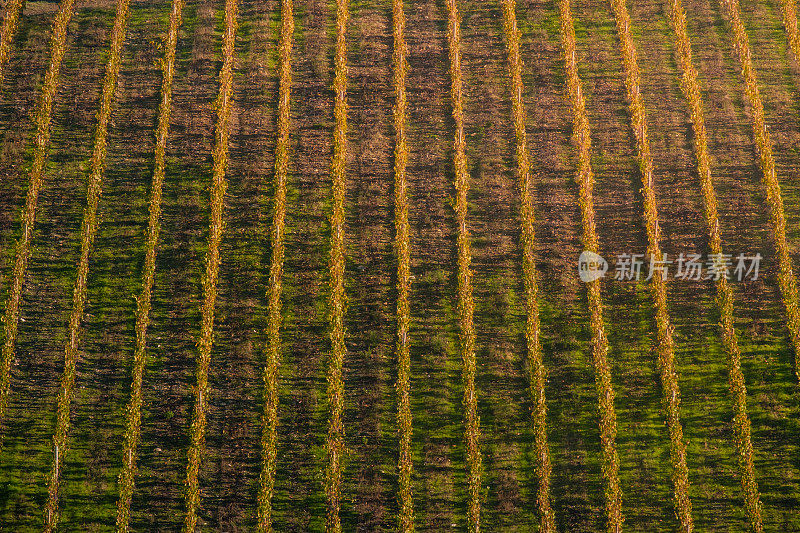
664 342
269 435
404 424
335 441
466 305
44 113
88 231
223 106
536 370
786 278
741 421
602 370
10 22
134 412
790 24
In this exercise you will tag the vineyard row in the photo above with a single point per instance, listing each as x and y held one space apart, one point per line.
127 477
88 232
402 243
41 146
335 446
602 368
10 23
466 306
223 105
536 369
786 278
269 435
665 346
724 300
335 439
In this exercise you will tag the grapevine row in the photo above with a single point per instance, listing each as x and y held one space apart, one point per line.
134 412
88 231
602 369
786 279
269 435
223 106
44 112
465 301
9 28
536 369
335 444
665 344
741 420
404 422
790 25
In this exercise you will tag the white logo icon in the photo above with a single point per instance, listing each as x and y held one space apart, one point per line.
591 266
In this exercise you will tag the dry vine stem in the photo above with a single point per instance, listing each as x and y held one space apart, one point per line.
665 345
786 278
9 28
602 370
465 302
269 435
741 421
223 106
403 247
88 231
134 413
335 442
536 370
41 145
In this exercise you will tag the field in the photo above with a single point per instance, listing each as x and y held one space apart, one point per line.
304 265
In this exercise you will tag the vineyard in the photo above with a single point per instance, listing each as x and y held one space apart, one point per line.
294 265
